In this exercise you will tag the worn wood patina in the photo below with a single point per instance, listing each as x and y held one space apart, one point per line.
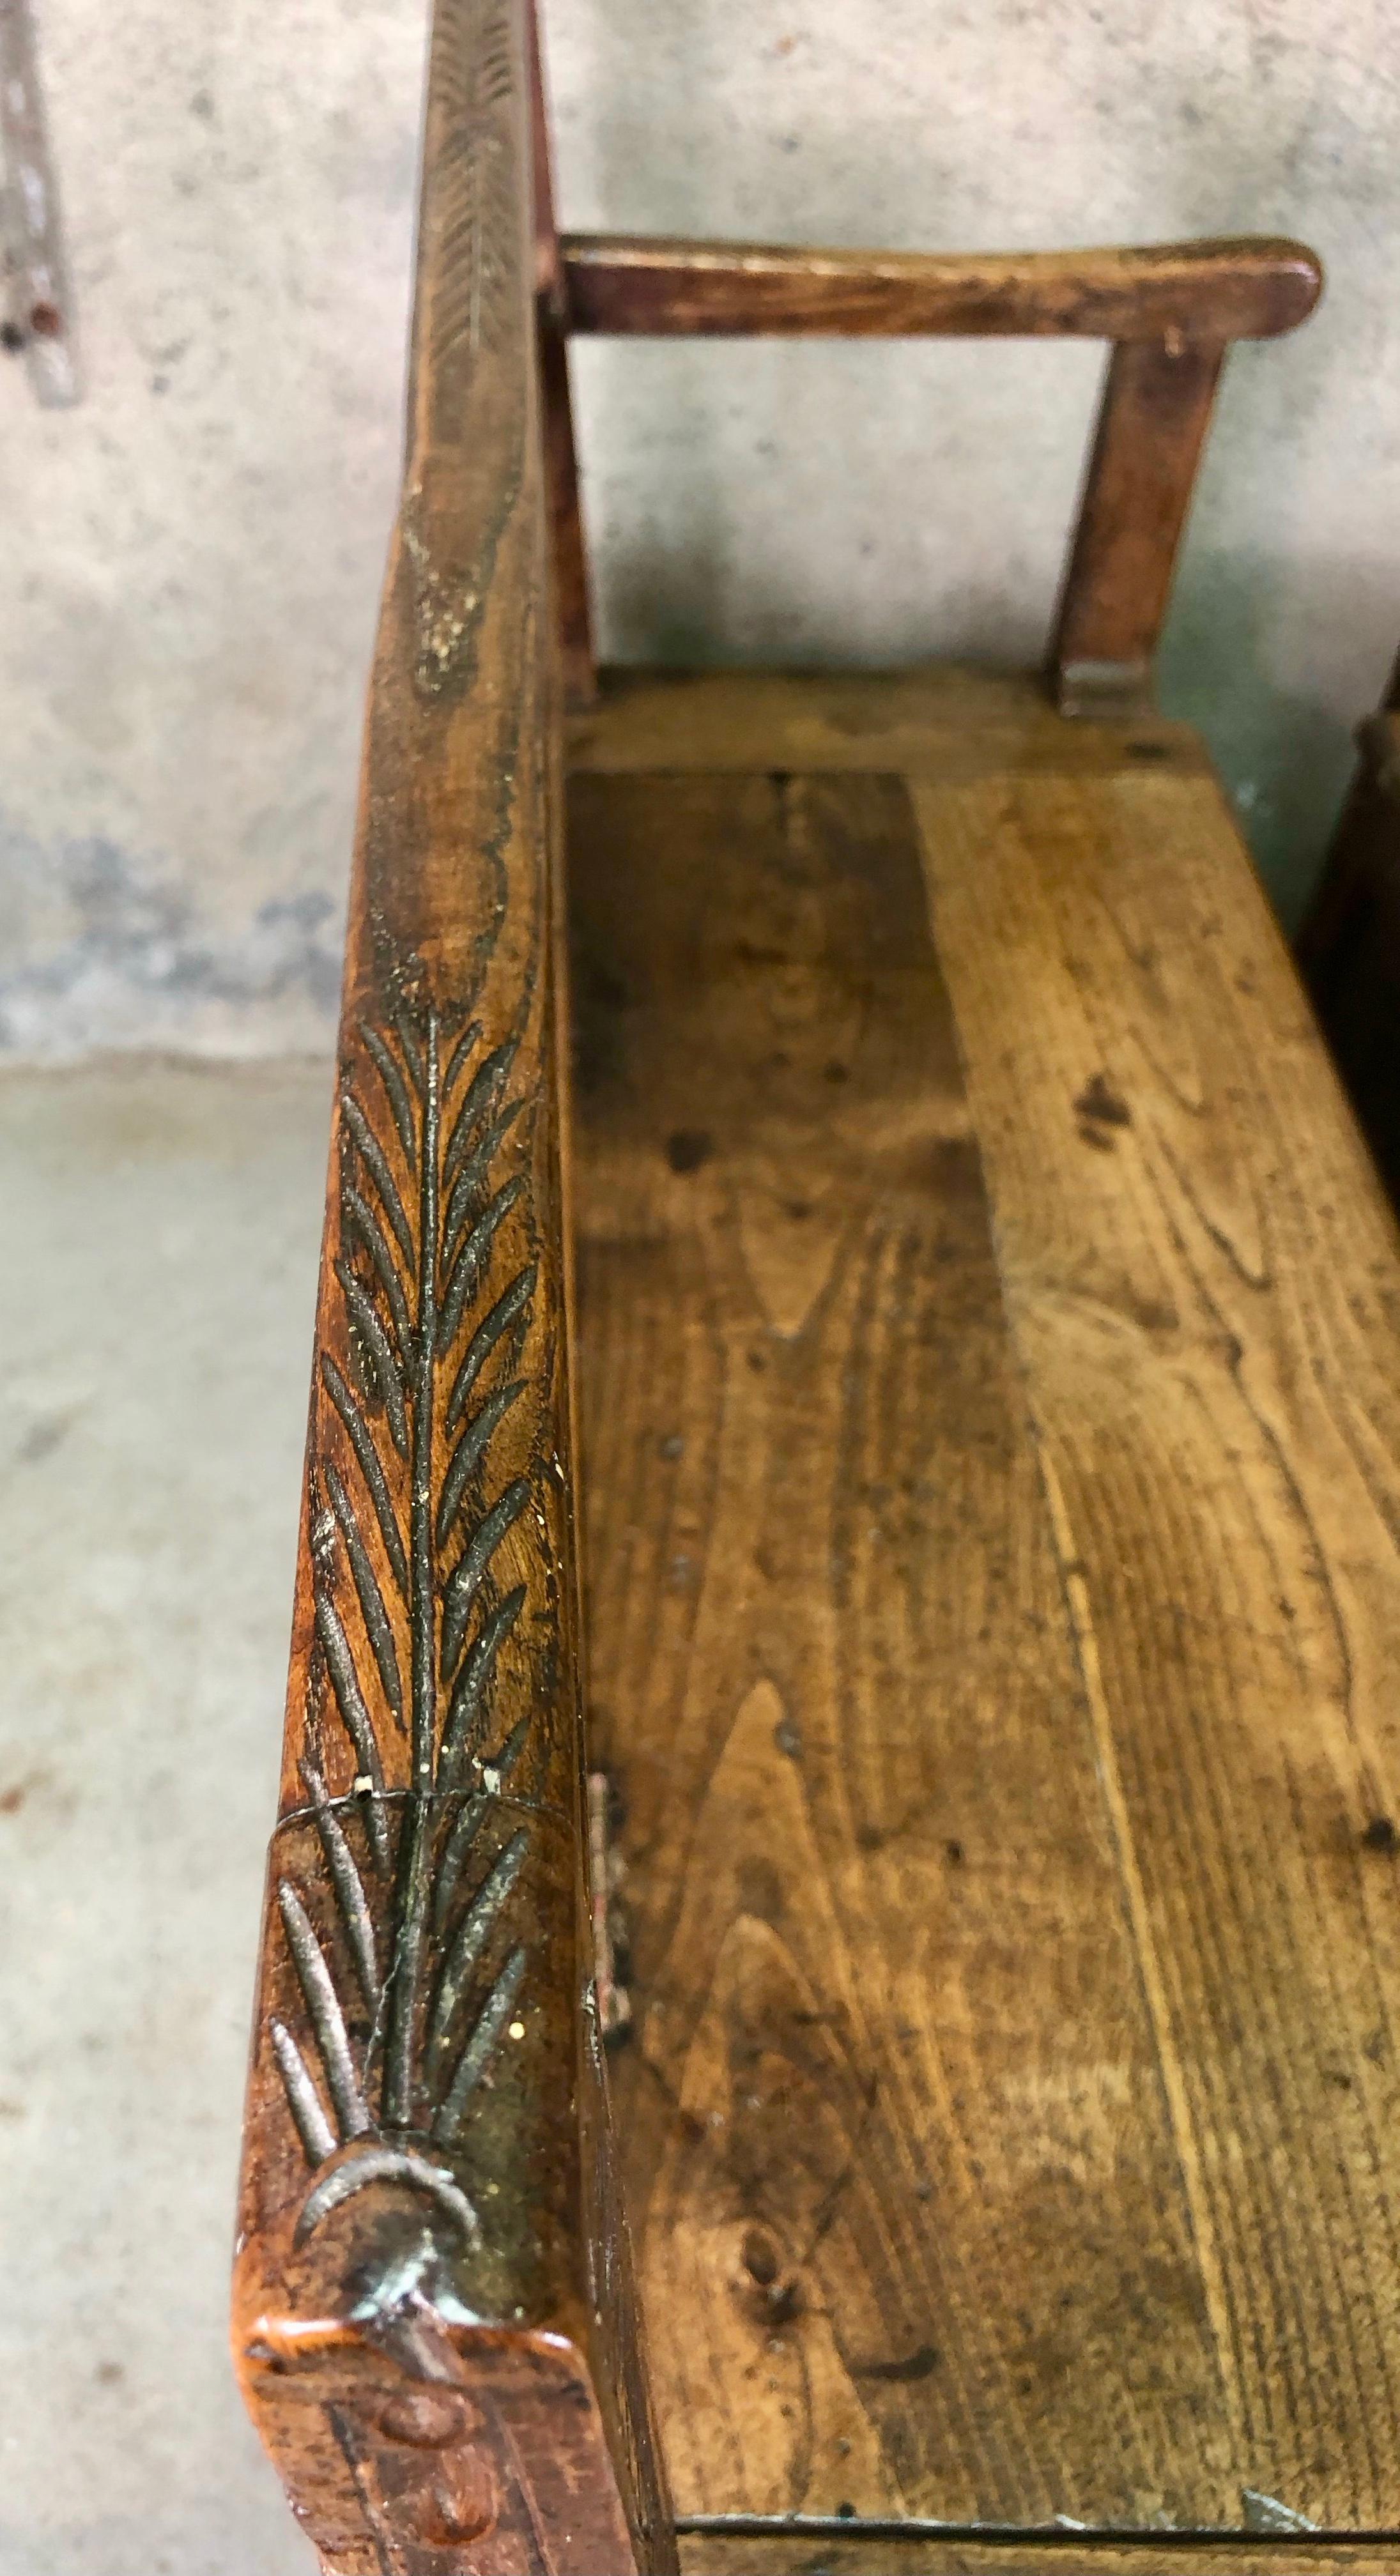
433 2315
986 1352
989 1344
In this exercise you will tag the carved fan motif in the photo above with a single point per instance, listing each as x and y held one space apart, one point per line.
405 1546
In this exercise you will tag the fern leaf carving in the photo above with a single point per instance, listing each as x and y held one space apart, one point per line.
327 2019
480 1099
508 1310
469 1267
478 2051
371 1235
370 1465
372 1607
409 1982
461 1055
349 1887
472 77
470 1570
470 1450
472 1688
317 2137
377 1164
472 1815
470 1940
345 1682
471 1174
384 1362
396 1090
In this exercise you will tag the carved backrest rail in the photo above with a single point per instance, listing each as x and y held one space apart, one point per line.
433 2319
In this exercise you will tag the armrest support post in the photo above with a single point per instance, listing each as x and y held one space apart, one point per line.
1153 418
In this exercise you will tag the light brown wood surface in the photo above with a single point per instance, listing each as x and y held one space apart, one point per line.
942 722
990 1346
742 2555
1208 291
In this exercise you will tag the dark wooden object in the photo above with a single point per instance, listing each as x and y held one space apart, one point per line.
1152 426
1349 946
1171 312
1213 291
433 2316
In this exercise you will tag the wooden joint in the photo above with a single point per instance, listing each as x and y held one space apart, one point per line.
1103 691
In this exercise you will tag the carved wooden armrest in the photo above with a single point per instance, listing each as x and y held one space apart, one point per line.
433 2309
1251 288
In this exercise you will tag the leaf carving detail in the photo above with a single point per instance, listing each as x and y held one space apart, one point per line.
407 1986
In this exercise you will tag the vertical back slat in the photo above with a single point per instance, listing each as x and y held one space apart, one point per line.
572 589
1156 407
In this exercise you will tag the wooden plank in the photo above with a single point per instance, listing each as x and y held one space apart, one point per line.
1202 1282
433 2320
1156 408
945 720
1200 290
1172 2555
911 2222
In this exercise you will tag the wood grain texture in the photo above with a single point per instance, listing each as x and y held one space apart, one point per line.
743 2555
940 721
433 2318
1152 424
992 1589
834 1681
1205 290
1202 1282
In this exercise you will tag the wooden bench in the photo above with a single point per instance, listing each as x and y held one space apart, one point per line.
922 2090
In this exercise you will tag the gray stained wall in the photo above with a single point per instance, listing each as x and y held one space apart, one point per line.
192 557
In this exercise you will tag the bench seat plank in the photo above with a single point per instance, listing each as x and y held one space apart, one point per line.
712 2554
1205 1307
990 1480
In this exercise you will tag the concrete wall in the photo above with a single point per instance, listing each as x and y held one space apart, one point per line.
192 556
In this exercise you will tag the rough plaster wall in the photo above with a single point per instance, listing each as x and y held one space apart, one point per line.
193 556
194 553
